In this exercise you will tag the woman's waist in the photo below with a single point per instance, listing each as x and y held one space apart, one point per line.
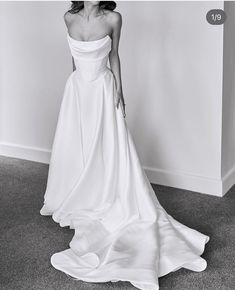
90 73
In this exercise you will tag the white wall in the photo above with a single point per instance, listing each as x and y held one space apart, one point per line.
35 65
228 140
172 78
172 74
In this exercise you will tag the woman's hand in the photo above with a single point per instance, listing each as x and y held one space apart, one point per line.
120 102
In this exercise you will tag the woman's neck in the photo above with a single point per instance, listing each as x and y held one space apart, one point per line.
90 10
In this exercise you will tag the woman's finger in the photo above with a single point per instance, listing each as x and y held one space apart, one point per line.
117 102
123 109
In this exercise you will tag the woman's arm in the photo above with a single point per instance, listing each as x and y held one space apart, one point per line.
67 20
114 59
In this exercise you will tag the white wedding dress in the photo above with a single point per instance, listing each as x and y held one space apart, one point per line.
97 187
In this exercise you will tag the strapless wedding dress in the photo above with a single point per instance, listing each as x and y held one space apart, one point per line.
97 187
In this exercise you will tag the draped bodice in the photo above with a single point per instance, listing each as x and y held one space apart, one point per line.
90 57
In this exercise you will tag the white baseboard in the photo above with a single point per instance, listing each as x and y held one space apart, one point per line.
25 152
228 180
206 185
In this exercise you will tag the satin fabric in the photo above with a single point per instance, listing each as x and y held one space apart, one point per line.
97 187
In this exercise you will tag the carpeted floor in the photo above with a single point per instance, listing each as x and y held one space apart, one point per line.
27 239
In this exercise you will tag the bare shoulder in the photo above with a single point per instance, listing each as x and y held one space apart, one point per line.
114 18
68 17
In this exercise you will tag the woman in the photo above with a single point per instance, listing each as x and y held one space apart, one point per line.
96 185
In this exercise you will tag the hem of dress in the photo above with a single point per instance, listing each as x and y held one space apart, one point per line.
115 275
174 267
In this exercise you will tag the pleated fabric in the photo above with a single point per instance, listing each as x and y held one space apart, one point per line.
97 187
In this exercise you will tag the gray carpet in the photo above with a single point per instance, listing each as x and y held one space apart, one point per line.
27 239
